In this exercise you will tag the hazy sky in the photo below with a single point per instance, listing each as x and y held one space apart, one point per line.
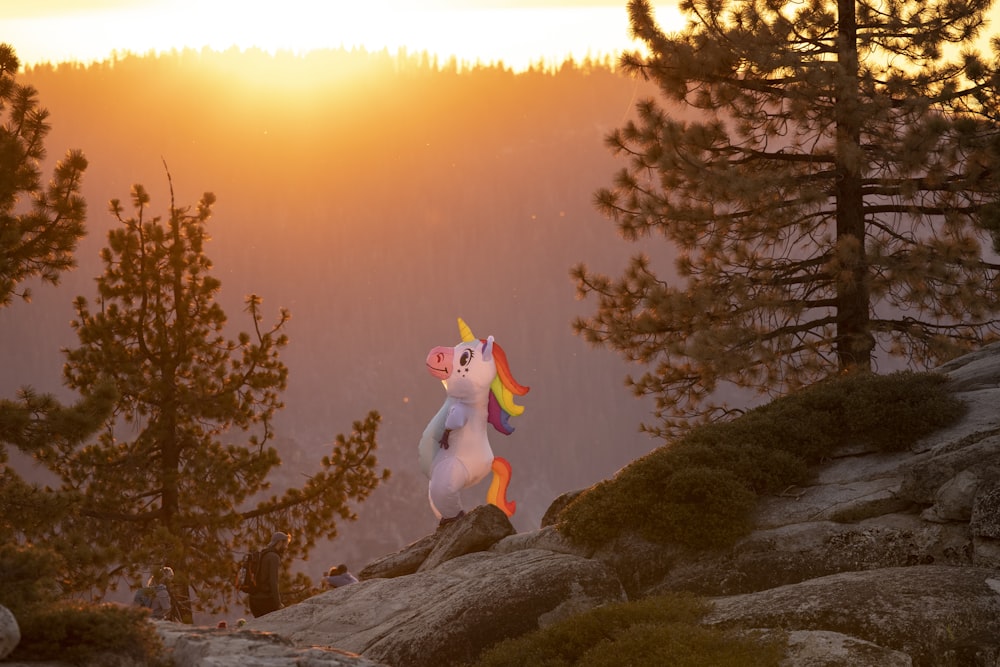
518 32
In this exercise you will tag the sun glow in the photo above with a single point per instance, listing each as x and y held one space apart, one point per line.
519 36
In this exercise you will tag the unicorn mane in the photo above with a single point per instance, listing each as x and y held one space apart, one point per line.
503 388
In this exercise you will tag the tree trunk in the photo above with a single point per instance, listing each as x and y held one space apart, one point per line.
854 342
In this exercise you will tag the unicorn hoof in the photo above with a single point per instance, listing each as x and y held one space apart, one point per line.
445 522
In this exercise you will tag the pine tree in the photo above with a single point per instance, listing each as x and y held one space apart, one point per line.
177 477
826 173
37 237
39 231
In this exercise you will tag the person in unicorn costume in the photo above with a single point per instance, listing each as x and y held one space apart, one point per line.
454 451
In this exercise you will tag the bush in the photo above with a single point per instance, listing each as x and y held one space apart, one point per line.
634 493
683 646
661 630
76 633
701 508
21 587
699 491
894 411
762 469
95 635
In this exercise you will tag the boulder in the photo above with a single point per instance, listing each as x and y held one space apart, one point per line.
216 647
405 561
935 614
974 371
449 614
798 552
962 464
10 633
820 648
953 499
547 538
478 530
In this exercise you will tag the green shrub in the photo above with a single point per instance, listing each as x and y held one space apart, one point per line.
699 491
894 411
796 427
89 634
22 587
661 630
70 632
683 646
597 519
763 469
700 508
634 492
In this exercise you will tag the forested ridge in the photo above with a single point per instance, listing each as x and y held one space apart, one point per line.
377 197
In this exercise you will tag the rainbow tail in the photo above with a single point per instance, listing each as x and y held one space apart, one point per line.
497 495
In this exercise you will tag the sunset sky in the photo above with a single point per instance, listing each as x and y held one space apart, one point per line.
517 32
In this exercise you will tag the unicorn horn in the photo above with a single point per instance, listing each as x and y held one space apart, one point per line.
464 331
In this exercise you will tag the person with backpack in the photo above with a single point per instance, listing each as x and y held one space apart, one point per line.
266 596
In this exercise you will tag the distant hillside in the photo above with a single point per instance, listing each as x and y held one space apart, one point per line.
378 198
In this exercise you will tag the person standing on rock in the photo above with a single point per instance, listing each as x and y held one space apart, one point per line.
267 597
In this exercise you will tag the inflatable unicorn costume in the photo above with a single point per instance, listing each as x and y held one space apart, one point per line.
454 450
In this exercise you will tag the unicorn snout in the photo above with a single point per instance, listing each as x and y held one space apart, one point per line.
439 362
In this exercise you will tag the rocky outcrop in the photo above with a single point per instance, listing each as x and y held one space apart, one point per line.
449 613
885 559
937 615
478 531
216 647
822 648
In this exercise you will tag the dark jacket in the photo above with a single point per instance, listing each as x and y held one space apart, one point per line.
267 598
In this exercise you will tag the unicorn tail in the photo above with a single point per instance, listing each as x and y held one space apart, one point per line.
497 495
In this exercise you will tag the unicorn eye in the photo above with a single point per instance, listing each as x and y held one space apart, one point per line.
466 358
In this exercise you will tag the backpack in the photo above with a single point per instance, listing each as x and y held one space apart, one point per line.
143 597
246 577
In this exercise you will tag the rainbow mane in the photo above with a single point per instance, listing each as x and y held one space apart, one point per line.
503 388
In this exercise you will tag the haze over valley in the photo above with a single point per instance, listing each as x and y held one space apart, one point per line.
378 198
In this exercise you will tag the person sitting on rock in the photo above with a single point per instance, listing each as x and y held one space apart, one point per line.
339 576
162 604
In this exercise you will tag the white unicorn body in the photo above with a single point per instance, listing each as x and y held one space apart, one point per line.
465 458
454 450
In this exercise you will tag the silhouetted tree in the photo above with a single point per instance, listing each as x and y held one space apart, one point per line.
829 200
38 236
176 476
39 230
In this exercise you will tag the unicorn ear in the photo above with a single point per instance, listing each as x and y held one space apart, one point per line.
488 349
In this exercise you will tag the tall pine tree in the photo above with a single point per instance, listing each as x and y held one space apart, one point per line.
178 474
827 173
